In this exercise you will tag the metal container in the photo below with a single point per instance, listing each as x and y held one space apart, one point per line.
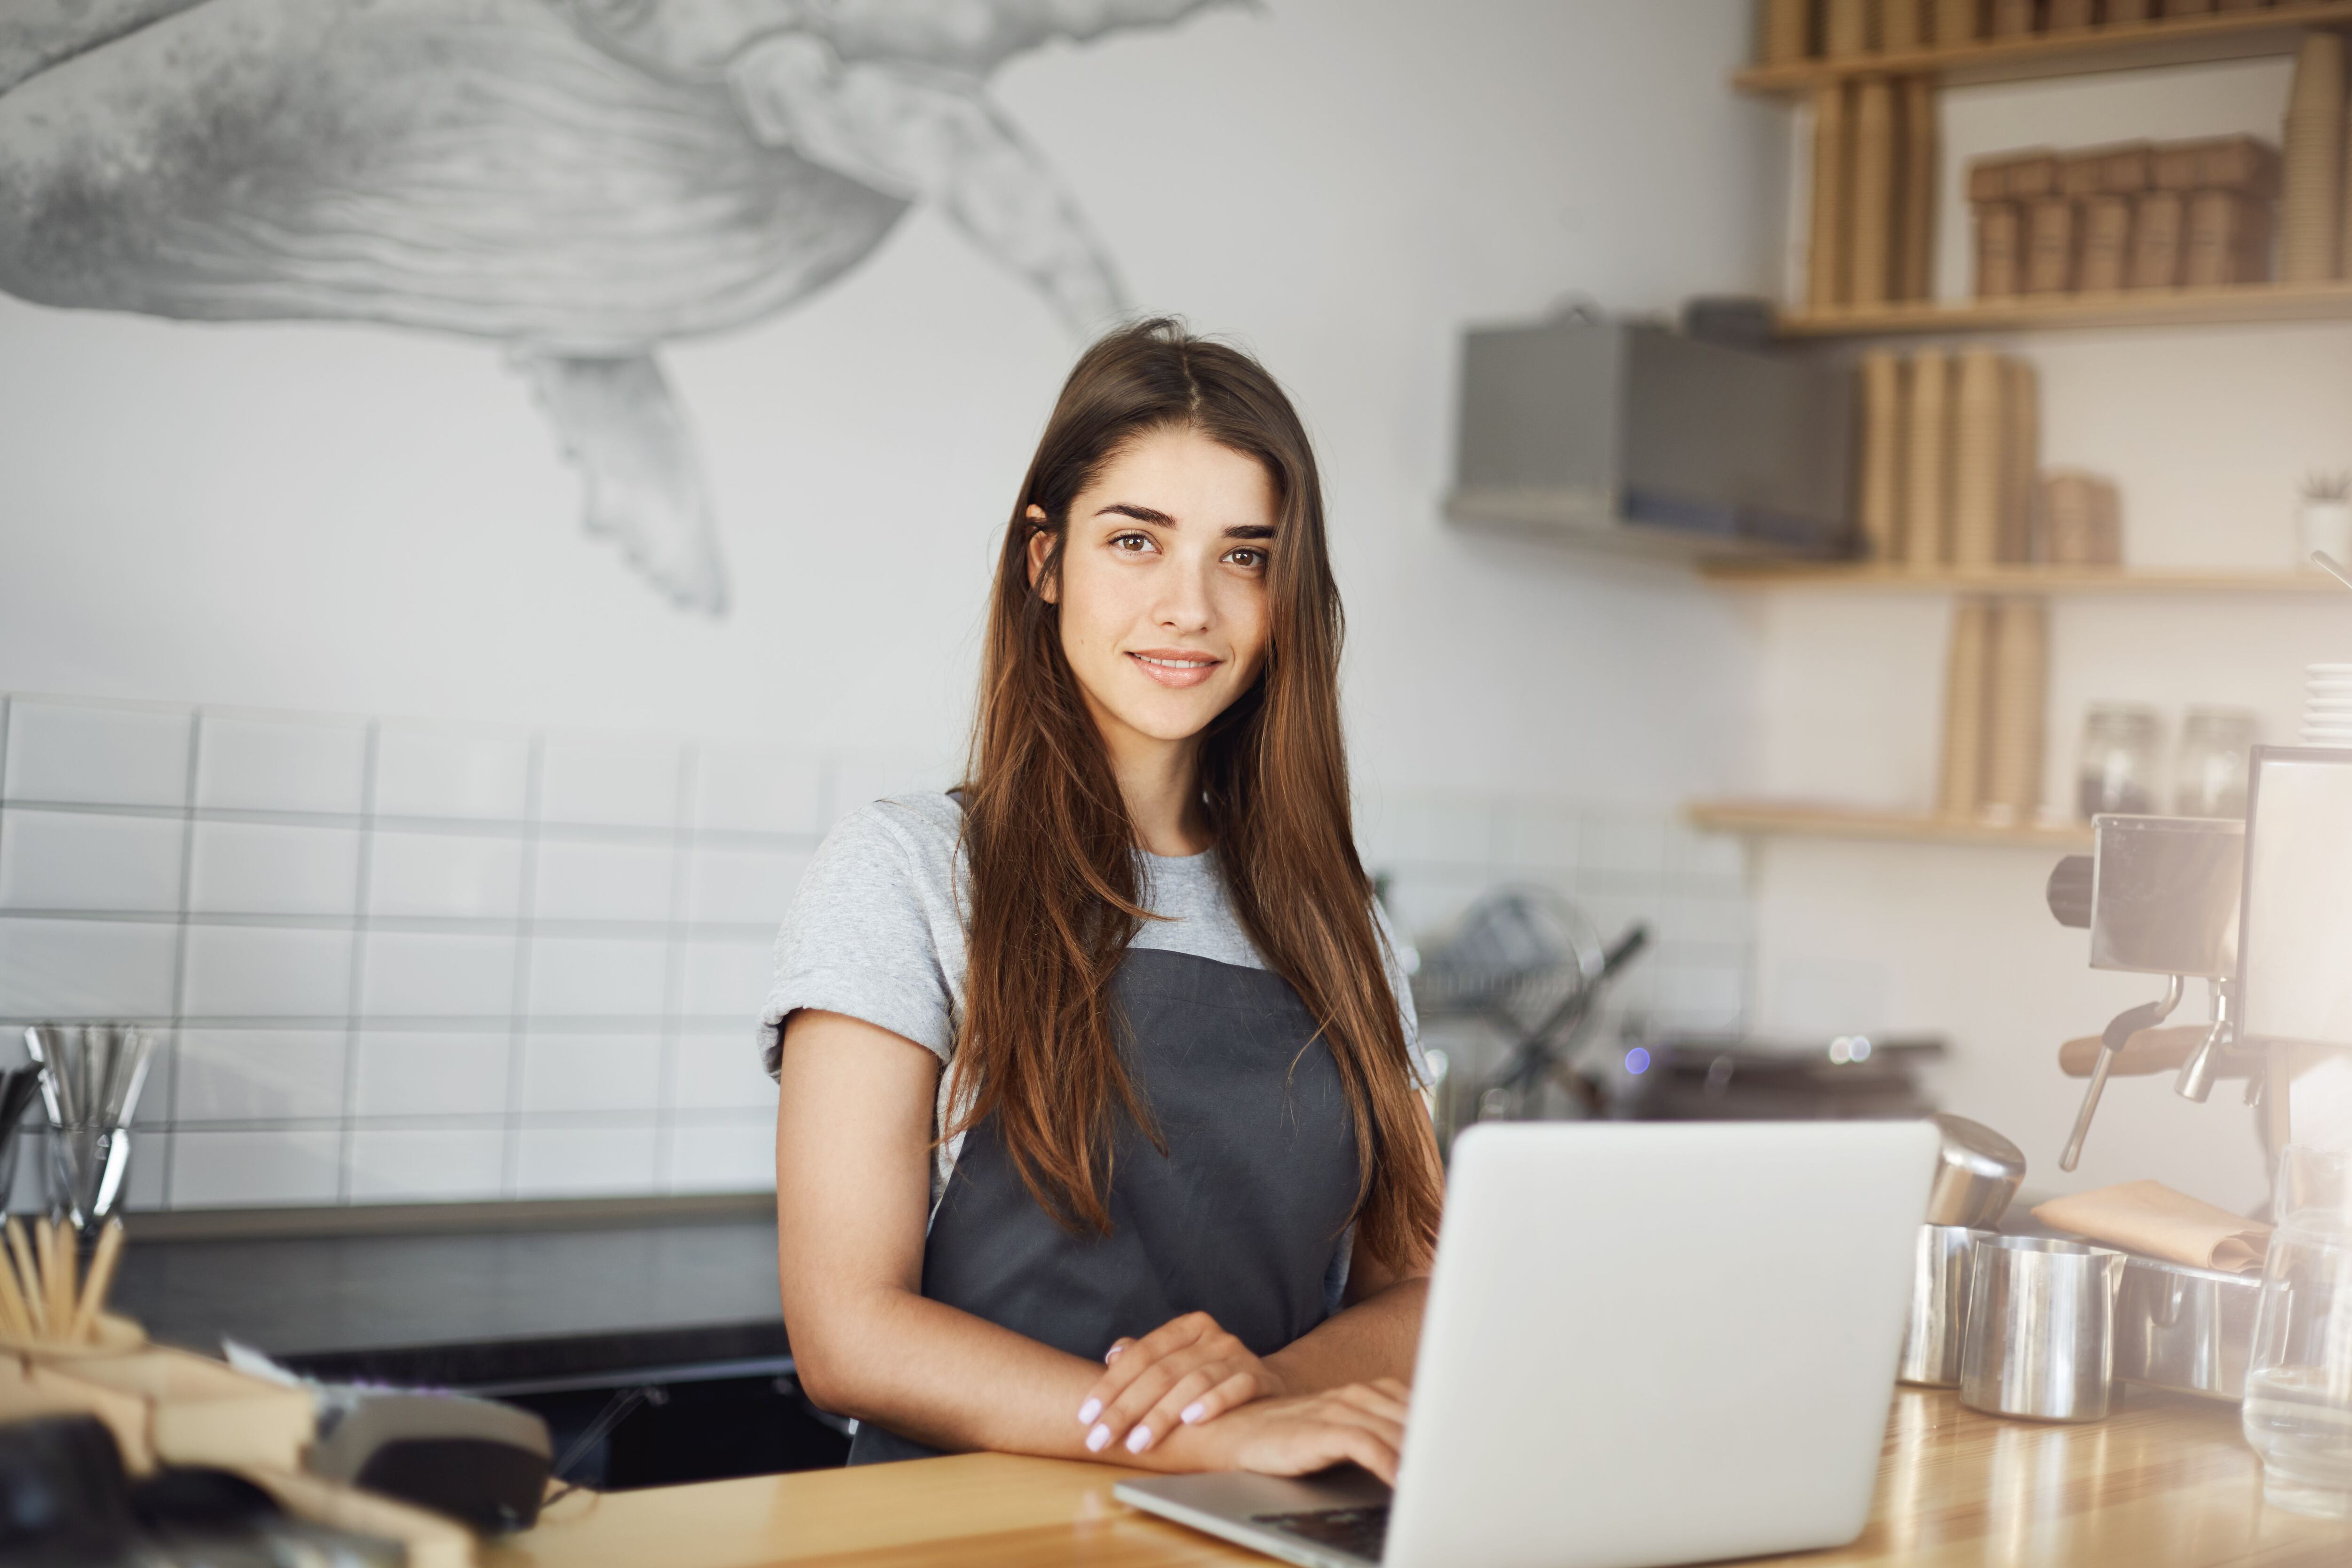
2039 1339
1932 1340
1978 1173
2187 1329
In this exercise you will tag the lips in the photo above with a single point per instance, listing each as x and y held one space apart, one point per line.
1175 667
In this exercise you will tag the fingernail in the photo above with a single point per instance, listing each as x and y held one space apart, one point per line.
1112 1355
1088 1410
1139 1439
1096 1438
1193 1412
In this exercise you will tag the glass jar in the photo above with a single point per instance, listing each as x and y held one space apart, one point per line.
2123 747
2298 1408
2209 776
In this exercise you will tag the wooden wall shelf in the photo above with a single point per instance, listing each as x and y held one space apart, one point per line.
1786 819
2232 305
2051 579
2174 41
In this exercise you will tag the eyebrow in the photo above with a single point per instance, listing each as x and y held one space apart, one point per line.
1160 518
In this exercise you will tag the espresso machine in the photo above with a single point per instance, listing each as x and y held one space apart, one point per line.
2259 912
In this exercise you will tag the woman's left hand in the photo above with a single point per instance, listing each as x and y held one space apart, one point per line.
1184 1372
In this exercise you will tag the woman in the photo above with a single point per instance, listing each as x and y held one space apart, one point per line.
1098 1133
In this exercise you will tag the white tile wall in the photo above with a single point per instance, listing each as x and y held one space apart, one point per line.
425 1164
574 977
722 1155
258 1075
576 1072
103 754
712 1071
454 876
594 881
270 867
395 962
257 763
738 789
743 887
253 1169
429 1073
73 860
252 971
584 1161
421 771
627 782
728 979
437 974
103 969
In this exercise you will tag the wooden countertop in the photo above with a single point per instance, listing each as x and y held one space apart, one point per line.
2163 1480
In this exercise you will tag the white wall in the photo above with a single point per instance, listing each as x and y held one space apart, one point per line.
374 529
353 519
2209 431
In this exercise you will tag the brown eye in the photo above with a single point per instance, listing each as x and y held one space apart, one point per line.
1132 543
1253 559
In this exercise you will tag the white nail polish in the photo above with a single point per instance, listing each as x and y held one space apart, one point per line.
1096 1438
1111 1355
1139 1439
1088 1410
1192 1412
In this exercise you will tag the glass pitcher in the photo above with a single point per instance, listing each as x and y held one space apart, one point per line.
2298 1409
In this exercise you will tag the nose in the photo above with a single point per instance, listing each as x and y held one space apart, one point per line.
1185 601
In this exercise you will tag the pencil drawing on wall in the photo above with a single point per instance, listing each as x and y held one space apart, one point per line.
578 180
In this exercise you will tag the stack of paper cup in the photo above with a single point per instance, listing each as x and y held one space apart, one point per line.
2327 705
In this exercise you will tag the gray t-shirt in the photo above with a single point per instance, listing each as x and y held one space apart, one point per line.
877 931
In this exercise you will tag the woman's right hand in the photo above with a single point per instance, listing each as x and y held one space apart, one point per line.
1363 1422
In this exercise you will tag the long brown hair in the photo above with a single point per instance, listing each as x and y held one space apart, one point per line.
1052 851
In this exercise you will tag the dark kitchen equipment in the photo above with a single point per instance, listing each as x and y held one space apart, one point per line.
2163 895
1717 1077
18 1087
1528 963
1630 435
480 1462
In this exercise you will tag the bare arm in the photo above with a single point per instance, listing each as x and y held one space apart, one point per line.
1375 1335
853 1193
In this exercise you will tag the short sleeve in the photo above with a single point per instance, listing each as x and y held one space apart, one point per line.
873 933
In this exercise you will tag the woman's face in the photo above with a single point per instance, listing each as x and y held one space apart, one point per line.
1163 584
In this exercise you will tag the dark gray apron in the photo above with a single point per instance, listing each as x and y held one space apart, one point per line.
1243 1219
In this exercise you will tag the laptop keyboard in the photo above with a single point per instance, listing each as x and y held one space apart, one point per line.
1361 1531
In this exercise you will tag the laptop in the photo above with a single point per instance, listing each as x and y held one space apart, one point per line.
1644 1343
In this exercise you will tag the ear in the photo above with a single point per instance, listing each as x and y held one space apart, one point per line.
1041 545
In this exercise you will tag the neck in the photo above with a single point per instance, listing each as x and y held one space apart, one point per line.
1160 783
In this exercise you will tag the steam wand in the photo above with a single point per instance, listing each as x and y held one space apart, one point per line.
2124 1025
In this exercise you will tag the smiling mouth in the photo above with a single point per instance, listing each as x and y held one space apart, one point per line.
1172 667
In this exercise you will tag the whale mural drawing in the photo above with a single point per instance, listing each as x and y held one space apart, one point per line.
578 180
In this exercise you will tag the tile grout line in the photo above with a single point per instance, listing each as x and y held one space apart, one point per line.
449 826
180 956
519 996
347 1141
422 925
